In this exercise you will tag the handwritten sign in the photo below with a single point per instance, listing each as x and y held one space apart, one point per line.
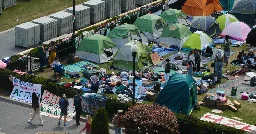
155 58
50 106
228 122
22 90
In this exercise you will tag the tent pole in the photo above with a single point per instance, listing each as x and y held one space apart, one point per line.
133 89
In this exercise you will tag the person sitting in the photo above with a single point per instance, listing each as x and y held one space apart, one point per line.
208 52
239 59
57 67
251 53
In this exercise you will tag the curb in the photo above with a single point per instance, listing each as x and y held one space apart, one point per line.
6 31
8 100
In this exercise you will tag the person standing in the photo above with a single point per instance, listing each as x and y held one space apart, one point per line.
190 67
197 55
36 109
78 107
117 122
95 82
167 70
88 125
227 43
64 109
218 63
53 53
42 58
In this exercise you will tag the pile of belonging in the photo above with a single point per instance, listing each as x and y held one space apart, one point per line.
27 34
123 98
97 10
82 15
92 102
64 22
48 28
248 96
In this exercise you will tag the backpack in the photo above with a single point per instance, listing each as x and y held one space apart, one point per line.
77 101
62 103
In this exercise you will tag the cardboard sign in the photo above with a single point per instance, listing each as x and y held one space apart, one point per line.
22 90
155 58
50 106
228 122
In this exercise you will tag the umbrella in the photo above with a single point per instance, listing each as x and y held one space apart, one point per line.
251 37
202 22
2 65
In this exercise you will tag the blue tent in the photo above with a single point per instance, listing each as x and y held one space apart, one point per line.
179 94
227 4
245 11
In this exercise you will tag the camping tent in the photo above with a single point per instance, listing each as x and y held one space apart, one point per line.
179 94
121 34
237 30
172 15
227 4
201 7
245 11
123 59
198 40
251 37
151 25
96 48
175 34
225 19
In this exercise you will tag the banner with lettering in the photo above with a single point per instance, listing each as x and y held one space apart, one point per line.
50 106
228 122
22 90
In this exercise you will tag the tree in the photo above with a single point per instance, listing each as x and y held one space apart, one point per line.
151 119
100 122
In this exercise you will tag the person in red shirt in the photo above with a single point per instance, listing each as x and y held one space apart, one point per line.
87 125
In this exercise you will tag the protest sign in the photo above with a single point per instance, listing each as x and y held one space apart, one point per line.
22 90
50 106
228 122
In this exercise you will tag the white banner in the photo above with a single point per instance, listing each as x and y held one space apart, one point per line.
22 90
50 106
228 122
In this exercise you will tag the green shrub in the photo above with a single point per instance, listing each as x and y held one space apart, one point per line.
191 125
150 119
100 122
113 105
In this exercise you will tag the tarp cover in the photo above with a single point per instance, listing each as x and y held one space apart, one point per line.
149 23
123 31
179 94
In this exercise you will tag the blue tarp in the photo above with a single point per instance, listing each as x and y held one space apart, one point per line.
163 51
220 41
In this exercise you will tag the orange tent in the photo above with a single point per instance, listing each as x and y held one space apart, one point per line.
201 7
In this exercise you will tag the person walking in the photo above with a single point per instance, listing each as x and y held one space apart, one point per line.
218 63
117 122
167 70
88 125
197 56
78 107
36 109
227 43
63 103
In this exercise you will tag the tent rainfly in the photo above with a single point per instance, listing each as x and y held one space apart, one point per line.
198 40
96 48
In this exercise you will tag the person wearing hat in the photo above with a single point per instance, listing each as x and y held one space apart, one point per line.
63 103
116 122
218 63
167 70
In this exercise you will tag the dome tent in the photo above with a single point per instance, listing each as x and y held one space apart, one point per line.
151 25
237 30
120 34
96 48
227 4
172 15
225 19
198 40
123 58
179 94
175 34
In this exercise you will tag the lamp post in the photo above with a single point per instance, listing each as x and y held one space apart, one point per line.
134 53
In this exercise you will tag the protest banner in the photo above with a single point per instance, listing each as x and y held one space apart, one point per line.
228 122
22 90
50 106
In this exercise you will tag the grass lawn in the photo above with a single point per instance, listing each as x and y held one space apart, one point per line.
26 10
246 112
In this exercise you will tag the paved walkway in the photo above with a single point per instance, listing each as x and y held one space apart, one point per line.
13 120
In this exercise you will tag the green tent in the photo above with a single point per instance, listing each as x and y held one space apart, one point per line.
120 34
149 23
225 19
123 59
198 40
96 48
123 31
179 94
172 15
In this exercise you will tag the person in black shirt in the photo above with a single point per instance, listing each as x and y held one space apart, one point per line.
208 52
36 109
167 70
78 107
